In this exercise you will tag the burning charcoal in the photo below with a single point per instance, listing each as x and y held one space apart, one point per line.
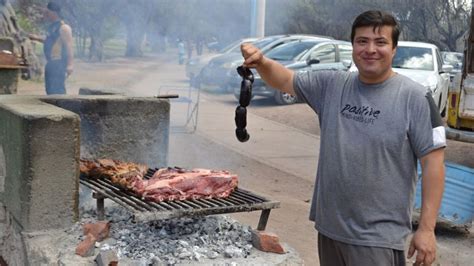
174 231
163 232
109 242
212 254
124 232
233 252
197 256
156 261
203 240
183 243
185 255
168 242
106 258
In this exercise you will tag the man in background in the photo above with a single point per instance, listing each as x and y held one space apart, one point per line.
58 50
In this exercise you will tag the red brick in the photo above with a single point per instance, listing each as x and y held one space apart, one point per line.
99 229
266 241
87 246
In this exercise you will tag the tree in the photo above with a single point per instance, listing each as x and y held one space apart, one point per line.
135 16
441 22
89 19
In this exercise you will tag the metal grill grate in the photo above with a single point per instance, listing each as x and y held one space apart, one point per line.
240 200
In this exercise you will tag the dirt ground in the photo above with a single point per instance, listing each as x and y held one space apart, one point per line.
125 75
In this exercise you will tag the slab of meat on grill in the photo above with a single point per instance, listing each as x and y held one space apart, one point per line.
120 173
180 184
166 184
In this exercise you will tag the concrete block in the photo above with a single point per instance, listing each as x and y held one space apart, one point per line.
41 149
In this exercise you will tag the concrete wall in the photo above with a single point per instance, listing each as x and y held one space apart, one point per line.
122 128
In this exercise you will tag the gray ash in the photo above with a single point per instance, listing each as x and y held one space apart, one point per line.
175 240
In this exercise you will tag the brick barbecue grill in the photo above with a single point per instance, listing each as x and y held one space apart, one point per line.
239 200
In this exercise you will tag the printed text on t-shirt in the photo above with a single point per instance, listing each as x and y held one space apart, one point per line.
363 114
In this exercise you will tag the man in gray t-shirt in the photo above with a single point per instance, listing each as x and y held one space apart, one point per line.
375 124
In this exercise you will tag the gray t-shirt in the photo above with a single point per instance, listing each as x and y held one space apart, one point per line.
371 137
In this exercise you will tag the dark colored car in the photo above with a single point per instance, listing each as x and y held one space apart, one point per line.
304 55
197 63
218 73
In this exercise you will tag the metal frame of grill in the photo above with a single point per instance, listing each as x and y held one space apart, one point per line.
240 200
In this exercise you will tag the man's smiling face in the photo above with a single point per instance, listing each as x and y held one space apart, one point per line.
373 53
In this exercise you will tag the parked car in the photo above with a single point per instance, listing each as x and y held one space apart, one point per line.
195 65
311 55
422 62
219 71
453 58
456 60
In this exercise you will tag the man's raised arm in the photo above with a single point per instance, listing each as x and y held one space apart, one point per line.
273 73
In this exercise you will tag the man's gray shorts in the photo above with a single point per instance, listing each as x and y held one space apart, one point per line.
335 253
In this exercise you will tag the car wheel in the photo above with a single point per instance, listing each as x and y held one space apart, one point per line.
284 98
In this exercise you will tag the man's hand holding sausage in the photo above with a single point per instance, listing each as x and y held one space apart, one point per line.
273 73
253 57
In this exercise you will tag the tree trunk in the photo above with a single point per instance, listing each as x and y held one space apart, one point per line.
96 49
135 37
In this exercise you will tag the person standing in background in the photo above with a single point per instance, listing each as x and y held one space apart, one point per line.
181 51
58 50
189 48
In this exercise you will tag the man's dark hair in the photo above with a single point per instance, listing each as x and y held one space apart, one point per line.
54 6
377 19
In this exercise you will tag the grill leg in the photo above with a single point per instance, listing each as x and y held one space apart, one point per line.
100 206
262 223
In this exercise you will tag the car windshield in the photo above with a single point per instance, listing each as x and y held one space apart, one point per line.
290 51
413 58
454 59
